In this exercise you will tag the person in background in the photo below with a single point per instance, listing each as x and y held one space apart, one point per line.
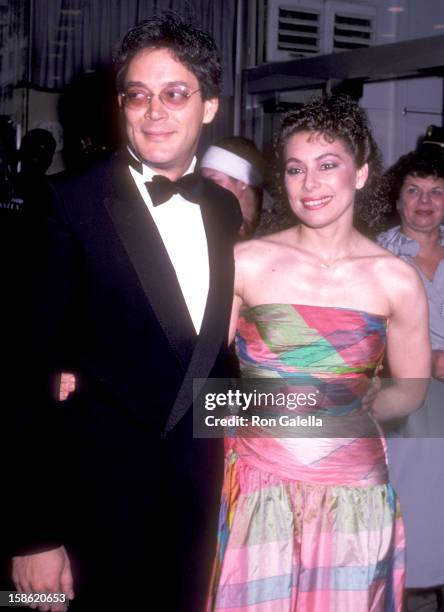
416 190
8 169
12 235
236 164
35 157
36 152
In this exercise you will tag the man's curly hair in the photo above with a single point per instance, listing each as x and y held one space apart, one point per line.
338 116
191 46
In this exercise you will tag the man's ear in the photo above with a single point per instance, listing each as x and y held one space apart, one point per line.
120 101
361 176
210 109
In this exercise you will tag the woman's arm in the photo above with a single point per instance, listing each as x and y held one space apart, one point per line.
238 291
237 303
408 345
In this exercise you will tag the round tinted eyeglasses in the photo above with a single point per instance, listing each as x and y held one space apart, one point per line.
173 98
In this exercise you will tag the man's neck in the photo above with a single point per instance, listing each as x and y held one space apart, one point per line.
173 173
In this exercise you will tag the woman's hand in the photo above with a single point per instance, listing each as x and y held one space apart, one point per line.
373 390
438 364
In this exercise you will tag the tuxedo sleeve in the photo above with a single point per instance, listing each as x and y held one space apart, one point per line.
37 481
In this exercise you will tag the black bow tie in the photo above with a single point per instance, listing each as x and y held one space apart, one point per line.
161 189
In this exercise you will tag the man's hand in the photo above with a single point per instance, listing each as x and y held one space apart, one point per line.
67 385
46 572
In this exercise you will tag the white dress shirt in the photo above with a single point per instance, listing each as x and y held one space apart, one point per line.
181 228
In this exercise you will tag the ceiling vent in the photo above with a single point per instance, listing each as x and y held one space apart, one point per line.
293 31
304 28
351 32
298 32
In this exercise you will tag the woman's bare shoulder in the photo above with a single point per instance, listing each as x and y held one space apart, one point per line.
260 249
385 262
398 278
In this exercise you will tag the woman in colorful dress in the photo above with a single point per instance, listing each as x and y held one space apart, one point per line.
311 524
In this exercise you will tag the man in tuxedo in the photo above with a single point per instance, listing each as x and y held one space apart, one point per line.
118 504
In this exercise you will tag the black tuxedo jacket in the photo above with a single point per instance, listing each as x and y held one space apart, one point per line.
109 308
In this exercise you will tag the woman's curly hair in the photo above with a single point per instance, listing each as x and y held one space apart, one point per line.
338 116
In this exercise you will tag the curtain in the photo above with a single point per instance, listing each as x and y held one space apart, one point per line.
77 36
72 43
13 51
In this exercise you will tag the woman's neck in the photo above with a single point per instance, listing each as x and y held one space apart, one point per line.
329 244
426 240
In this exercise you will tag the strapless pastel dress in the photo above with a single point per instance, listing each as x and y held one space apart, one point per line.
310 524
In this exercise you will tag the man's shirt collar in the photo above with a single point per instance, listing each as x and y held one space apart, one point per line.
147 173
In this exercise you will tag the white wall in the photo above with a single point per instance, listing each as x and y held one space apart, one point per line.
396 131
414 19
401 111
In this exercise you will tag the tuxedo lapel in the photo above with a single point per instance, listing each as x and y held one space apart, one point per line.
145 249
144 246
214 328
